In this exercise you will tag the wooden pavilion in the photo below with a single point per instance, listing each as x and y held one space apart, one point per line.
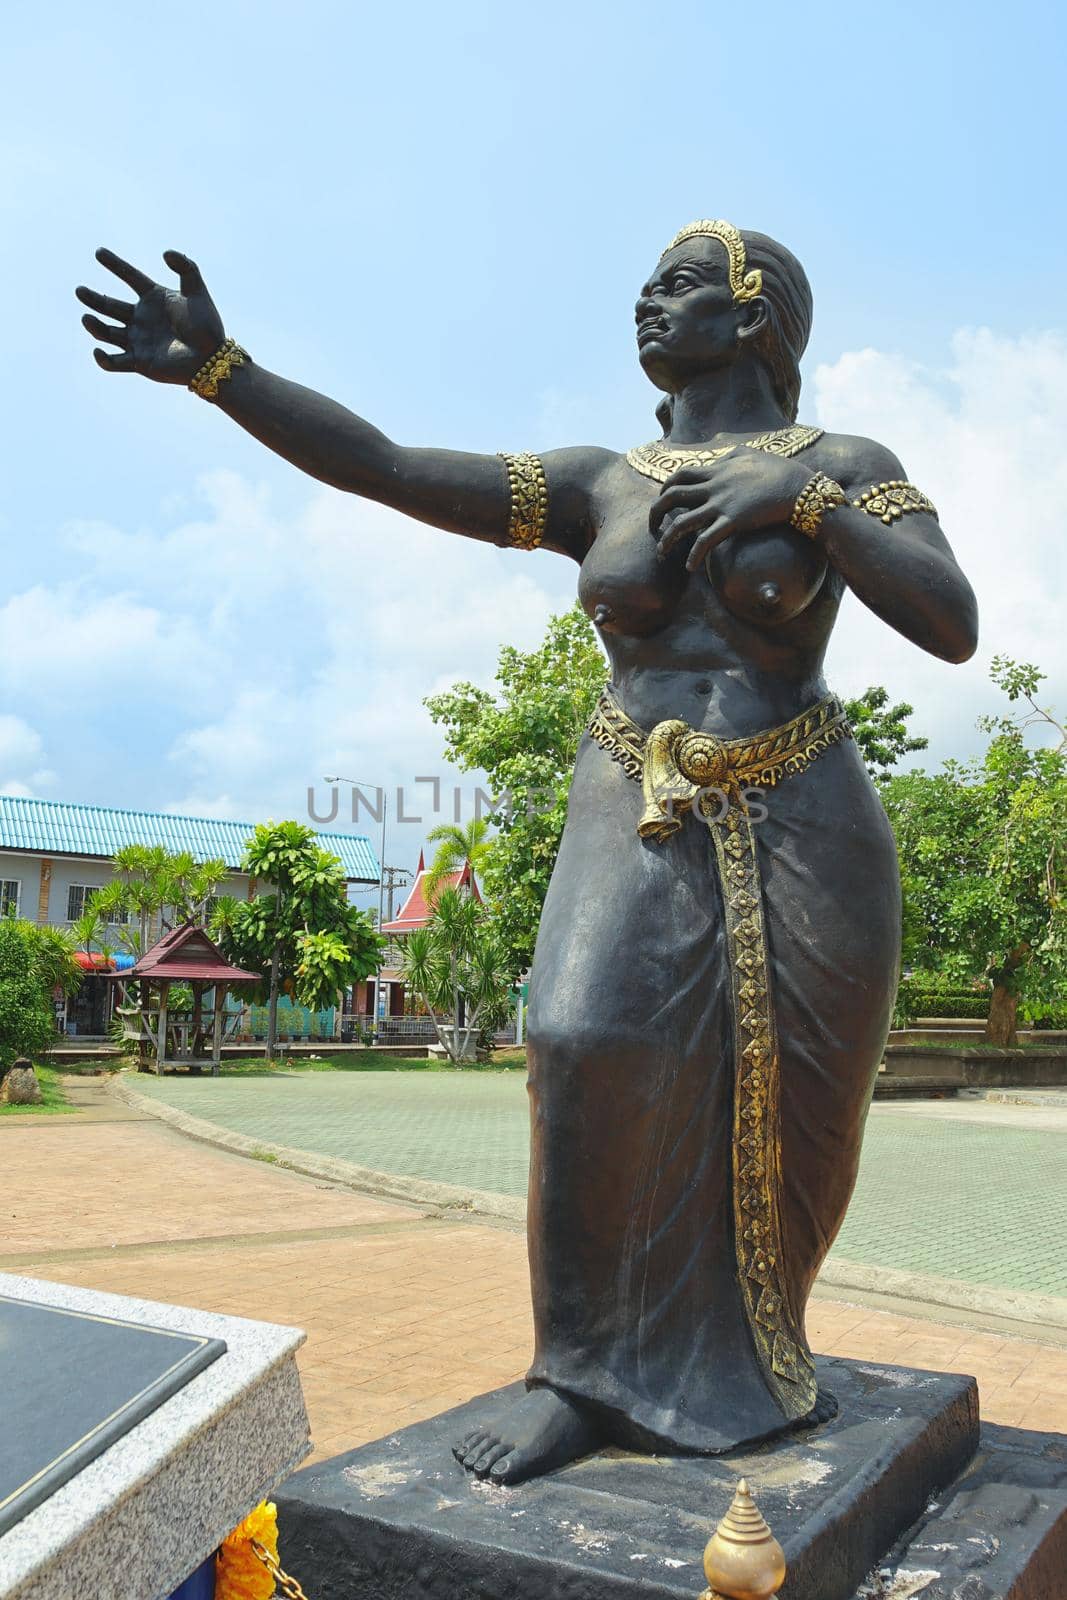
185 955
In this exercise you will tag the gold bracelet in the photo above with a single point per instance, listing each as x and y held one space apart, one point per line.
893 500
529 499
819 495
217 369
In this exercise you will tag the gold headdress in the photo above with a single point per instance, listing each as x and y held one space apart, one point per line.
745 285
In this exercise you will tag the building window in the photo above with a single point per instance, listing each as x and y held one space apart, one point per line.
80 898
77 899
10 891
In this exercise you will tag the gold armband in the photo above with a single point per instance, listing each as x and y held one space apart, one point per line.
217 369
529 500
819 495
893 500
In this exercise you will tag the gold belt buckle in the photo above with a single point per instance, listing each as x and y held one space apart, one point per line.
702 758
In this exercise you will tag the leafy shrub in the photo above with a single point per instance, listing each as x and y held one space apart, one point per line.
1044 1016
930 994
27 1021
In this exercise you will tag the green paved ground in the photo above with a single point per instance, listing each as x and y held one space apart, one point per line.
952 1195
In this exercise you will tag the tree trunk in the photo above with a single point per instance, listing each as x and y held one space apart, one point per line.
456 1004
1000 1027
272 1016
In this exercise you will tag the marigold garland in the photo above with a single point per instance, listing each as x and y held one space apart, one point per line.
239 1573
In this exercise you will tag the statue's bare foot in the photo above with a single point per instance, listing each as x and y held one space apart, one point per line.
535 1434
824 1408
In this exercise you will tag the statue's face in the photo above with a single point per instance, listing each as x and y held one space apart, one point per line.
687 322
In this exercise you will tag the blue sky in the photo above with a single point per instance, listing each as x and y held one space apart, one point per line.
440 215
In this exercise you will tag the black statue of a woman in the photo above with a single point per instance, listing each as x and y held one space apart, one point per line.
715 968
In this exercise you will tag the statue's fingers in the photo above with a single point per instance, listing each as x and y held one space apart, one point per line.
720 529
121 310
698 473
684 524
188 272
675 497
138 281
106 331
114 363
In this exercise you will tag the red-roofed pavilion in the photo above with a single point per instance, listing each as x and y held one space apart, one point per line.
185 955
415 912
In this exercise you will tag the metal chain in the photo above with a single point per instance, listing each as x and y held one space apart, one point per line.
288 1586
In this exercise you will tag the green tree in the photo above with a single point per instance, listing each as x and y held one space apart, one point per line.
152 882
33 962
458 967
983 851
306 934
881 730
455 846
524 736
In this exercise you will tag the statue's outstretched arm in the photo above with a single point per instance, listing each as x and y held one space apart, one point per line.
169 334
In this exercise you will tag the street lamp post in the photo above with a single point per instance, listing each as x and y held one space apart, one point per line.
362 783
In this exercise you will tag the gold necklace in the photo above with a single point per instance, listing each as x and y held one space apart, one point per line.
660 460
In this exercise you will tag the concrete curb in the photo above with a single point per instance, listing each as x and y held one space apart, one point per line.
1043 1316
444 1197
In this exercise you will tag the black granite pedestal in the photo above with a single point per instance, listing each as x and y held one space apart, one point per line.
400 1518
999 1532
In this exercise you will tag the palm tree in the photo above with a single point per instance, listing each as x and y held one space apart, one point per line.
455 846
52 950
456 965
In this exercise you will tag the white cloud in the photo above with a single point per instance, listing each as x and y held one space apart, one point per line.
370 613
76 643
983 437
21 751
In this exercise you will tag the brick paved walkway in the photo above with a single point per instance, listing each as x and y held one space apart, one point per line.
960 1190
405 1315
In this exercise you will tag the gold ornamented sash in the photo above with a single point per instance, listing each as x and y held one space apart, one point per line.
681 769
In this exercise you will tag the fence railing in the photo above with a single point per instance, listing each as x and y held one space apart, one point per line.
406 1030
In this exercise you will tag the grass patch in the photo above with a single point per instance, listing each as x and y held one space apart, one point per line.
509 1060
53 1100
264 1155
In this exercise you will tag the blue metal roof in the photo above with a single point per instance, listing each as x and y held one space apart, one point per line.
54 828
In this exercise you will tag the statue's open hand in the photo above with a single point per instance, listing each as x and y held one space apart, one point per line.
746 490
166 334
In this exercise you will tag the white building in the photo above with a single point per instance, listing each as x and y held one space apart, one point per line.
53 856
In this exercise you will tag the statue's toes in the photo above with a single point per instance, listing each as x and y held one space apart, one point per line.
489 1458
475 1449
511 1467
460 1450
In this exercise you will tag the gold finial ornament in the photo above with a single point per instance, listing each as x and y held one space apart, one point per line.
743 1560
745 285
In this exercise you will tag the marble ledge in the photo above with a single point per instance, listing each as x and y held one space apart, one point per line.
137 1520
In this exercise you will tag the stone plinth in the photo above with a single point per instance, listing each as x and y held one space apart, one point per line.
138 1519
400 1518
